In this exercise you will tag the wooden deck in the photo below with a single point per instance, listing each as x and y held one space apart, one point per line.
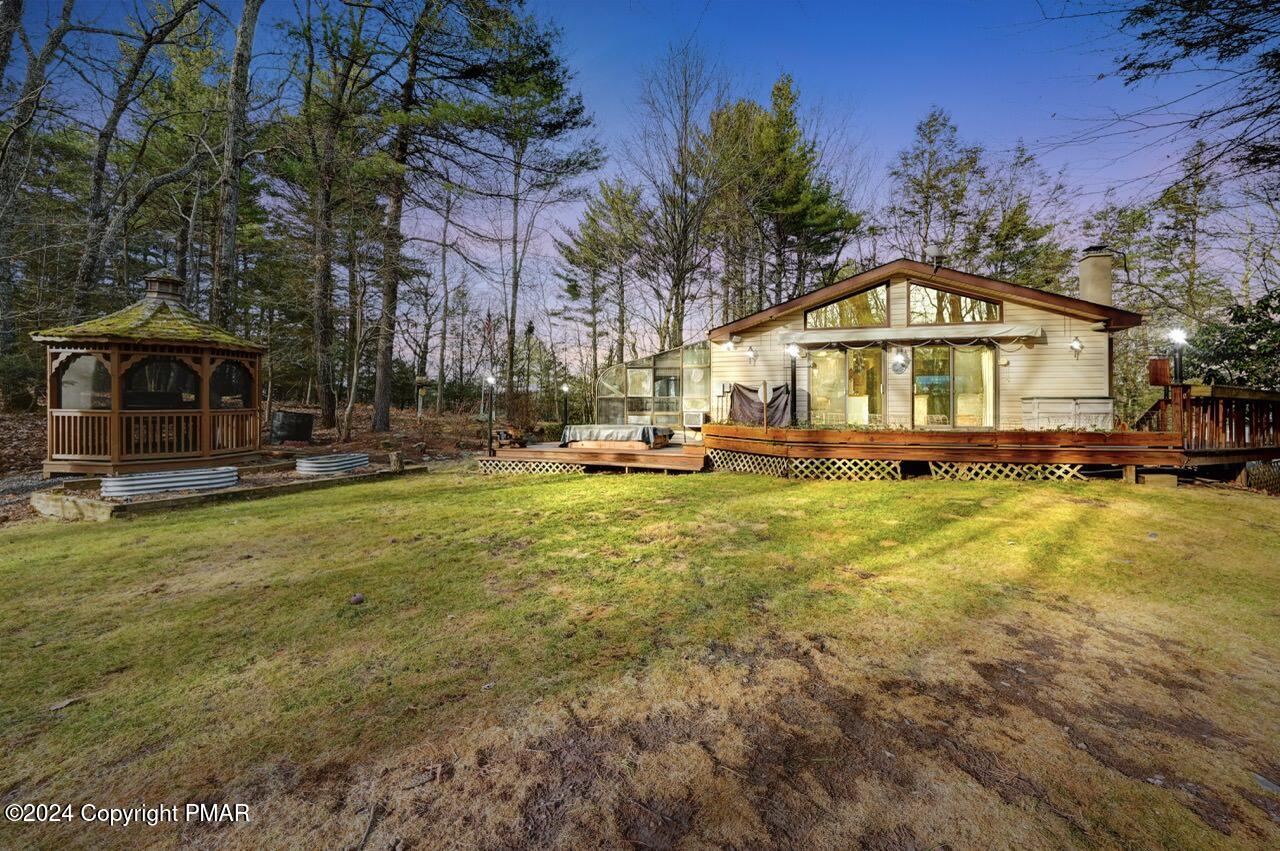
688 458
1119 449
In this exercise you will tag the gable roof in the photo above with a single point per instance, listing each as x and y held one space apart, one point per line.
149 319
1115 317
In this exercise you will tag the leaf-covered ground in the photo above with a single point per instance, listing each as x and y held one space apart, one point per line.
655 661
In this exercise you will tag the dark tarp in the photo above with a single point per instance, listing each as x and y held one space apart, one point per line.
745 406
646 433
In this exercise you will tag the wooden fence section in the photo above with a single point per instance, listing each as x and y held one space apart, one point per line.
80 434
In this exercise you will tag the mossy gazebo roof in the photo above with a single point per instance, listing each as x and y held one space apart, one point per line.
158 317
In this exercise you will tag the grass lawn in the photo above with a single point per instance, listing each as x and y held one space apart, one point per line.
706 661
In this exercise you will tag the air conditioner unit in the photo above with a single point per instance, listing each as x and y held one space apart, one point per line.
694 419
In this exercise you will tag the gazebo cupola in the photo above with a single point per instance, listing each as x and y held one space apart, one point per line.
149 387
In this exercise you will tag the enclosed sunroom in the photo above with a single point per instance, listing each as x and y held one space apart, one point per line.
671 389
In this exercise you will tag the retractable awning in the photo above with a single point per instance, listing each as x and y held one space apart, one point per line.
916 334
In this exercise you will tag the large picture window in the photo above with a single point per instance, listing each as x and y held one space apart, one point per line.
867 308
846 387
929 306
953 387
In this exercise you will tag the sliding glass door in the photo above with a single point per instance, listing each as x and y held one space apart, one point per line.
846 387
953 387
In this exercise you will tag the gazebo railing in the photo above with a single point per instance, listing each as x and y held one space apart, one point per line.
235 431
155 434
80 434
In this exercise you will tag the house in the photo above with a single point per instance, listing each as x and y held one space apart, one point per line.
910 369
903 345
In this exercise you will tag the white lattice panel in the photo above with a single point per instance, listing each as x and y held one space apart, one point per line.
984 471
846 469
509 466
728 461
1264 476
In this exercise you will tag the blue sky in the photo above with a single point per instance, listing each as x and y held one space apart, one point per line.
1000 68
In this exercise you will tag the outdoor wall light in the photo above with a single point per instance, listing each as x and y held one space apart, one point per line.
1077 347
729 345
751 353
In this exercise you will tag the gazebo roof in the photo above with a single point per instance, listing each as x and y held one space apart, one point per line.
159 316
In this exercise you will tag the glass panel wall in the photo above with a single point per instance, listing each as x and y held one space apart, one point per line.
656 390
868 308
974 383
929 306
84 385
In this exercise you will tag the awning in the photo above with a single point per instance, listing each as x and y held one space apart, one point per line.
916 334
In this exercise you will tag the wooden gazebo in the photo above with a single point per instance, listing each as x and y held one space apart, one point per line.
149 387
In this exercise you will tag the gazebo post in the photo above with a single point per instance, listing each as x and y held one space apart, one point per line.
206 421
48 406
114 433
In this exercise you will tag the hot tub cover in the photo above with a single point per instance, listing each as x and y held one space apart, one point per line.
646 433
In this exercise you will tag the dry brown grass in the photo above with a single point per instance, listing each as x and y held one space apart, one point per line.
1054 725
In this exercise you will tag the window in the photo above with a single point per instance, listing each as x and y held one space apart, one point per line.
84 385
610 384
867 308
846 387
666 382
929 306
639 382
954 386
231 386
161 384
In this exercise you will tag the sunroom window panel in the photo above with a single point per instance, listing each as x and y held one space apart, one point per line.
826 388
865 403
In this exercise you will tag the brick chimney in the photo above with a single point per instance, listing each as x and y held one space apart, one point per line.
1095 274
164 285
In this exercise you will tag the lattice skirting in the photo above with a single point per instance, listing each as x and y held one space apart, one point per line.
841 469
746 462
1263 475
845 469
508 466
982 471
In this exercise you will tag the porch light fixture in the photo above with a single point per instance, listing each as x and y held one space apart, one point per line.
732 342
1178 337
1077 347
751 353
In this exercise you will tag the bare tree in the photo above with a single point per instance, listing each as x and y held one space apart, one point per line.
224 259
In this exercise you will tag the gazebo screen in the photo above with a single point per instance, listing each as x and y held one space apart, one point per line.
161 384
84 385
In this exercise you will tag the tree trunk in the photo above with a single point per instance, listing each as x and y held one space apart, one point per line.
513 315
322 305
224 260
389 272
444 297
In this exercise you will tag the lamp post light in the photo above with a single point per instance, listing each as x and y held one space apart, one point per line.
1179 339
794 352
564 394
493 386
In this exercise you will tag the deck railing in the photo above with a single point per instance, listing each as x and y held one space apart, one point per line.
1217 418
